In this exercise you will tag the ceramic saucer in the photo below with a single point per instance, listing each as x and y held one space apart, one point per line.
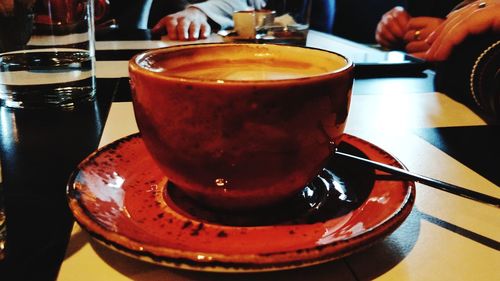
124 201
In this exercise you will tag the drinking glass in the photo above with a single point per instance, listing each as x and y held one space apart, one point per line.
281 22
47 55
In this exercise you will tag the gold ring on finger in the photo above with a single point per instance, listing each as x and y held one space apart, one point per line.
416 35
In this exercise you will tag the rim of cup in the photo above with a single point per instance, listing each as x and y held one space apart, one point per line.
137 64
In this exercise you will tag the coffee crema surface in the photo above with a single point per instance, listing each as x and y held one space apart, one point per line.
232 64
240 126
244 70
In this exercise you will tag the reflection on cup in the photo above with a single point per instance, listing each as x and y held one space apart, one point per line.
241 126
52 63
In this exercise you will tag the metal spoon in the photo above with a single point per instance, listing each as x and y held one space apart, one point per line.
407 175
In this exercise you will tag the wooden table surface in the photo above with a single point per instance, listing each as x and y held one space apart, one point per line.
446 237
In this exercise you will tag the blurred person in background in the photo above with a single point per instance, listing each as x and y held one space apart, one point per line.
473 19
198 20
463 43
407 28
465 49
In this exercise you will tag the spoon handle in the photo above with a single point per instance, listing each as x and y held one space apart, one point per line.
407 175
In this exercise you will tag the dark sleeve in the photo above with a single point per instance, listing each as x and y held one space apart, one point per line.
323 15
126 12
431 8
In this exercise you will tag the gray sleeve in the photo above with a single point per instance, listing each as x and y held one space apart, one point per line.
221 11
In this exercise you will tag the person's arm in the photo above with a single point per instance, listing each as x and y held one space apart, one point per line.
192 23
392 28
472 19
426 17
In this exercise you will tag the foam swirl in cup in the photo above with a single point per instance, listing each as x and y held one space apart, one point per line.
231 63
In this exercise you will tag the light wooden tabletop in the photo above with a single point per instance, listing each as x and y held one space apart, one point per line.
446 237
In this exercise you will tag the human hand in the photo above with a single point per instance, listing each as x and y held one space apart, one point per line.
188 24
418 29
472 19
392 27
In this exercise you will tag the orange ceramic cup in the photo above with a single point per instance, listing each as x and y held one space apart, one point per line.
240 126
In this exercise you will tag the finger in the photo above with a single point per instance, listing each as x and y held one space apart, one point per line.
412 35
171 25
401 17
452 18
432 37
444 36
159 27
183 29
380 40
384 42
449 23
194 31
472 25
391 41
384 37
423 22
448 37
417 35
417 46
393 27
388 39
205 30
482 19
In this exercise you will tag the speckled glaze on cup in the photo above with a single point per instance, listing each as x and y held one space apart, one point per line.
233 139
